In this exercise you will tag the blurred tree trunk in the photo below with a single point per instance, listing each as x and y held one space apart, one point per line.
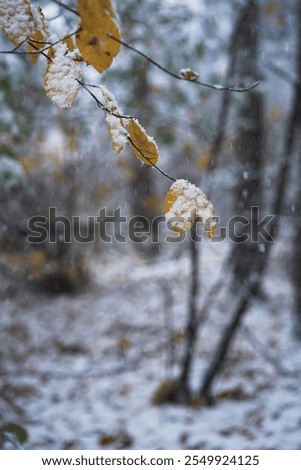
143 199
296 144
227 96
247 256
191 330
248 259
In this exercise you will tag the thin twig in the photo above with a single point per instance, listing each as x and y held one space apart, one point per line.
149 160
36 41
65 6
179 77
53 18
36 48
274 361
279 71
99 103
104 108
40 51
19 45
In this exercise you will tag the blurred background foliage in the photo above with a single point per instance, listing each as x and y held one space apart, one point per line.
65 157
231 145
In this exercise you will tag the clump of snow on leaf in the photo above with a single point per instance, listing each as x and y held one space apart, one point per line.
117 131
109 99
61 77
16 20
184 203
42 26
189 74
116 125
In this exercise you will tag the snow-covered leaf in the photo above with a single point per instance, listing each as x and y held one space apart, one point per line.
189 74
144 146
16 20
180 204
184 203
117 126
41 36
61 77
92 40
117 132
205 213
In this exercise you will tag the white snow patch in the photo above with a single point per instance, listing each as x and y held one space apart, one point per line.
16 19
61 77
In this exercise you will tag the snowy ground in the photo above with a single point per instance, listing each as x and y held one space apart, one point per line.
79 372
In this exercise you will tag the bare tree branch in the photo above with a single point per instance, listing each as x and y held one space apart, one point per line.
40 51
179 77
149 160
279 71
37 49
63 5
104 108
99 103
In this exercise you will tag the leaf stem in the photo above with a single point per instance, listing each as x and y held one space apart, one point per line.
149 160
40 51
99 103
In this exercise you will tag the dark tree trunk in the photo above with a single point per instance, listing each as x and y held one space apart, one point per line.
292 147
191 327
249 149
143 195
248 260
247 256
295 136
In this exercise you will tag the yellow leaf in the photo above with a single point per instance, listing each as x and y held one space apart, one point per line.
61 77
144 146
36 40
16 20
93 40
185 204
86 8
69 43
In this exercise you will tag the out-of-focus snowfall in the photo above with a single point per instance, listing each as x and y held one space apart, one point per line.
93 335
